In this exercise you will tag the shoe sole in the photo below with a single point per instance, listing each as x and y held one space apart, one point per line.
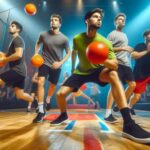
111 121
138 140
39 121
63 122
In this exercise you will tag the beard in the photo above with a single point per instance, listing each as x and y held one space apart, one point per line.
94 27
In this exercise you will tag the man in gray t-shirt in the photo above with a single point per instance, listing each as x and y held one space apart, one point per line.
16 74
122 50
53 45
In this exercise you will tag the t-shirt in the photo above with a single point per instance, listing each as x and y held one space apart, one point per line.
141 68
119 39
18 65
53 46
80 43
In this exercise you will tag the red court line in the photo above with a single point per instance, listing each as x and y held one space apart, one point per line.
73 117
90 141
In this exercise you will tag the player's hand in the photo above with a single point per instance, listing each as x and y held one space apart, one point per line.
128 48
56 65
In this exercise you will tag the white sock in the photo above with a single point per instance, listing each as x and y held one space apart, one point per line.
41 107
48 99
108 112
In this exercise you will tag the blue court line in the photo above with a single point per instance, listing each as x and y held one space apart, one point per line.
70 125
103 126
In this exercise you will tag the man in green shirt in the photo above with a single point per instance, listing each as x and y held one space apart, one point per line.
101 74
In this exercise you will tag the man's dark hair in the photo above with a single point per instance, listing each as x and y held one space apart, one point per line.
58 16
146 32
90 13
18 25
120 14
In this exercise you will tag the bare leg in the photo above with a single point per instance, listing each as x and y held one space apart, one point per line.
134 99
20 94
1 82
51 91
61 94
116 86
40 92
74 100
69 97
30 103
129 90
88 98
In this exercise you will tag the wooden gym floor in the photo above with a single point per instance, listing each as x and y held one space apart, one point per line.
86 130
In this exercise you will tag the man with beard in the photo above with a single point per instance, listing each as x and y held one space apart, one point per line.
54 43
100 74
15 76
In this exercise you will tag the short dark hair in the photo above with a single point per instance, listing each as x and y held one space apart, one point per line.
91 12
18 25
58 16
120 14
146 32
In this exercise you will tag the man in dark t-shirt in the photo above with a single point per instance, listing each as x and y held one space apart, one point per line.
15 76
141 55
54 44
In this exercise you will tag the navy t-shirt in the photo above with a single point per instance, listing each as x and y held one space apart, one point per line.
142 68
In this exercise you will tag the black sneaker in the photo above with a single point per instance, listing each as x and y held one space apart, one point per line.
111 119
47 106
115 109
39 117
132 111
136 133
37 110
62 118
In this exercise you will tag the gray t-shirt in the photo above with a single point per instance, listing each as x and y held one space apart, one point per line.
18 65
53 46
119 39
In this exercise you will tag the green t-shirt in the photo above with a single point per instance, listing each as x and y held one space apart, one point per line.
80 43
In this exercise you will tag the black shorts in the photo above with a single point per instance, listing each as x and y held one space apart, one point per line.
75 80
12 78
34 87
53 74
125 74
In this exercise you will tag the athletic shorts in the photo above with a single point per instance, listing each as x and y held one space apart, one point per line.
125 74
141 85
12 78
52 74
75 81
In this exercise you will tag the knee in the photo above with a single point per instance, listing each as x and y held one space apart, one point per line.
113 76
132 85
40 82
137 96
61 93
19 95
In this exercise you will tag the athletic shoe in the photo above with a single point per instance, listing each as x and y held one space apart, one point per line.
115 109
111 119
47 106
39 117
62 118
136 133
37 110
132 111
